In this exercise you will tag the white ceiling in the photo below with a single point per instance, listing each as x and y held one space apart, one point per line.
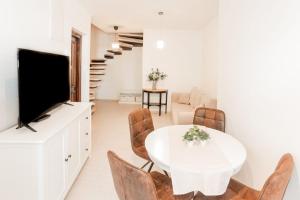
136 15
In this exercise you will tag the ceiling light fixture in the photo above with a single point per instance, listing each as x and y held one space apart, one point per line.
160 44
115 44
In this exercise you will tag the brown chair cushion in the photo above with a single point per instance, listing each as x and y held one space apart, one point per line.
140 125
129 181
273 188
209 117
132 183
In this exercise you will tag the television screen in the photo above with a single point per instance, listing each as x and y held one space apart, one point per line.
43 83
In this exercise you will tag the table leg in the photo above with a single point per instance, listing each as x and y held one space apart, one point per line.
166 108
143 99
148 99
159 104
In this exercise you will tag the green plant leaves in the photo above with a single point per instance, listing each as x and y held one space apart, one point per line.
195 133
156 75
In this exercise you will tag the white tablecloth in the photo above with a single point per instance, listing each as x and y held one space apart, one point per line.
205 168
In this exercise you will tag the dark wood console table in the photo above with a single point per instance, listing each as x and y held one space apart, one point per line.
160 92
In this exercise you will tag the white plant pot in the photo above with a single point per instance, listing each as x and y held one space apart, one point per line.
196 143
203 142
190 143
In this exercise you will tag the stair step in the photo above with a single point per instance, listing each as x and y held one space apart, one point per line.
98 61
96 77
98 64
132 35
93 91
125 48
93 109
134 42
92 97
94 85
109 56
125 45
96 72
115 52
97 68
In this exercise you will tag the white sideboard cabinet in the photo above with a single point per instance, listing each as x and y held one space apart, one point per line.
43 165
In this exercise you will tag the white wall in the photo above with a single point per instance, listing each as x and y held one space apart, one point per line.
181 58
259 84
210 58
100 42
123 73
43 25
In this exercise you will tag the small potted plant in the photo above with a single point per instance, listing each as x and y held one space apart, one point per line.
155 75
195 135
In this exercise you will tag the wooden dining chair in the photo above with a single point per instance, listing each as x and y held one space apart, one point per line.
273 189
140 125
132 183
211 118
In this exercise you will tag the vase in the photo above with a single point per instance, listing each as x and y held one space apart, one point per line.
154 84
203 142
190 143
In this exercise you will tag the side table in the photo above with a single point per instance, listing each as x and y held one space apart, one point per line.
160 92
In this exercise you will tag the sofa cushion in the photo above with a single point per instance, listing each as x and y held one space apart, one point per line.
181 107
195 97
211 103
184 99
182 113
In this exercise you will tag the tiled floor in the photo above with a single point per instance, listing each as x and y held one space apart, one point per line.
110 132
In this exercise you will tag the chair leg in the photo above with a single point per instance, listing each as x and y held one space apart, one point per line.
145 165
166 173
149 170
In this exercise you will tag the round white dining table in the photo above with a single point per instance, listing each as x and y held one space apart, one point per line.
205 168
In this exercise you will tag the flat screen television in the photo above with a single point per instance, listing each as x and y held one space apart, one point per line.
44 84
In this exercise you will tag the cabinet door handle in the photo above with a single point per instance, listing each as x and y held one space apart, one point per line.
87 133
86 117
87 149
70 156
66 159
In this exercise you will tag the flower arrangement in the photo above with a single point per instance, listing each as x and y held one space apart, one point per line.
195 134
155 75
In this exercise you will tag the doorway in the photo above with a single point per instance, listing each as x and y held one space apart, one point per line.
76 66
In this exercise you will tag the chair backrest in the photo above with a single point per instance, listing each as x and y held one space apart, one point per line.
130 182
140 124
275 186
209 117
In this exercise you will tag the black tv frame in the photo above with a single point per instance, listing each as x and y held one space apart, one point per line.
44 114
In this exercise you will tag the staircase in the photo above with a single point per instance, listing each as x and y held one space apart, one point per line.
127 42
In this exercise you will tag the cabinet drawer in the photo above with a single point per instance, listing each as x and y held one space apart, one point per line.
85 139
85 123
84 153
85 135
84 147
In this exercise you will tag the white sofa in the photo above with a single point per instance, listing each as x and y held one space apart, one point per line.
183 105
